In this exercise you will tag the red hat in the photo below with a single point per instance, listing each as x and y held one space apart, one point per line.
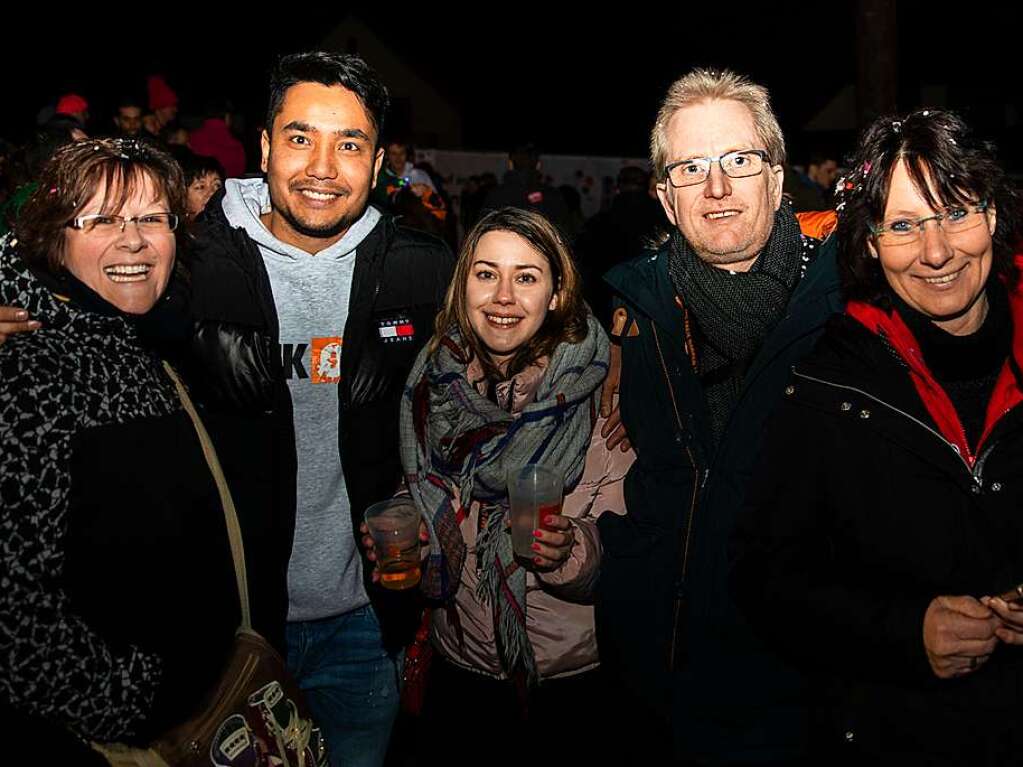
70 104
160 94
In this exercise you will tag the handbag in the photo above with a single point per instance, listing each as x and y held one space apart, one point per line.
255 715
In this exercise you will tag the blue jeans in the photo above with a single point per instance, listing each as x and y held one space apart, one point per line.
350 683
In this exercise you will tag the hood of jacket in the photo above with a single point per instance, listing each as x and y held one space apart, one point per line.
246 199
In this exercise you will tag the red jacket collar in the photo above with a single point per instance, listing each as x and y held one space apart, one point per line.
1006 395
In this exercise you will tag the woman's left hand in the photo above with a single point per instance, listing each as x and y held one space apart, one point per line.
1011 615
553 547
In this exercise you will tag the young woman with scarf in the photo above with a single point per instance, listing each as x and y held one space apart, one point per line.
512 377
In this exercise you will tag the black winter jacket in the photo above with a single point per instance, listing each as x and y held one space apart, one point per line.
666 624
237 372
860 514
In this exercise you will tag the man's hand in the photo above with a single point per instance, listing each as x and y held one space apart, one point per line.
1011 616
371 551
553 548
959 635
14 320
613 430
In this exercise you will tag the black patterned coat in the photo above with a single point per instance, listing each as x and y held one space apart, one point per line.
117 595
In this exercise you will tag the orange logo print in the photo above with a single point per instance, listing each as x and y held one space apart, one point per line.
326 360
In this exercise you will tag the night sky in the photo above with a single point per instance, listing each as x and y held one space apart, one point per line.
574 83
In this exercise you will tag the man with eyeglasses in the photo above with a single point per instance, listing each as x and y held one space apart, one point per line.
708 327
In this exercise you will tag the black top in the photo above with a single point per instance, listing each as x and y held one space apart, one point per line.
967 367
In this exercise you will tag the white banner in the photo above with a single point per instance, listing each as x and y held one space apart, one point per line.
593 177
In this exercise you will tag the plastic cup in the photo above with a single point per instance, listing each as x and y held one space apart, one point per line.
534 492
394 527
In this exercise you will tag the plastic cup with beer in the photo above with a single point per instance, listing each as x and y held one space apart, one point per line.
534 493
394 526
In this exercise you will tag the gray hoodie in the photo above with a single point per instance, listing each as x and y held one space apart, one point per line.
311 293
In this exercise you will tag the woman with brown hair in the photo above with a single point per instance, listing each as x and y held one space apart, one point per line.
512 377
119 603
884 544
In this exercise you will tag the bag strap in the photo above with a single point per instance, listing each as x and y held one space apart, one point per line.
234 531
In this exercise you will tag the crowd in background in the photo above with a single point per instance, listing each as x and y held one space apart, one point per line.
215 142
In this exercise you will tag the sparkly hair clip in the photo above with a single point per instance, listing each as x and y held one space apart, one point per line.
897 126
130 148
123 148
851 184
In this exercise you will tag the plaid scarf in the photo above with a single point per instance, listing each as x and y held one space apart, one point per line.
457 447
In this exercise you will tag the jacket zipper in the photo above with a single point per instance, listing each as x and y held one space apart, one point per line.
976 471
697 484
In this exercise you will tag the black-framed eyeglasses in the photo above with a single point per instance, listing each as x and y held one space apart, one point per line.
738 164
101 224
952 220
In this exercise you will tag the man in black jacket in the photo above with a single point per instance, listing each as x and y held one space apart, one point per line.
708 327
310 307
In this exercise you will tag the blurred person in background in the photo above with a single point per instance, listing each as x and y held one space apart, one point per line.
25 165
128 118
617 234
163 105
812 190
203 178
524 187
214 138
75 107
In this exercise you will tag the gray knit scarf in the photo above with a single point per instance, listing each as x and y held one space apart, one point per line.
457 446
734 312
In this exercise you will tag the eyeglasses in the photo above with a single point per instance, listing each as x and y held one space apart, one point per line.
738 164
103 224
953 220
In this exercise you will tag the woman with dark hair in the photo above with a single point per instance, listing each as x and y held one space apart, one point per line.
119 602
511 377
204 177
883 543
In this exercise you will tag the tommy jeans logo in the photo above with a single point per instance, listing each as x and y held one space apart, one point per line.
397 329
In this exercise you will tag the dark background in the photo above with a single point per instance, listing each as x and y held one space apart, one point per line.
574 81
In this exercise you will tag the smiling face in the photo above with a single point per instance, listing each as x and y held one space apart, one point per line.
321 162
939 275
726 221
509 291
128 269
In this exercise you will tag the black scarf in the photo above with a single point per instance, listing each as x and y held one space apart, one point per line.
967 367
734 312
